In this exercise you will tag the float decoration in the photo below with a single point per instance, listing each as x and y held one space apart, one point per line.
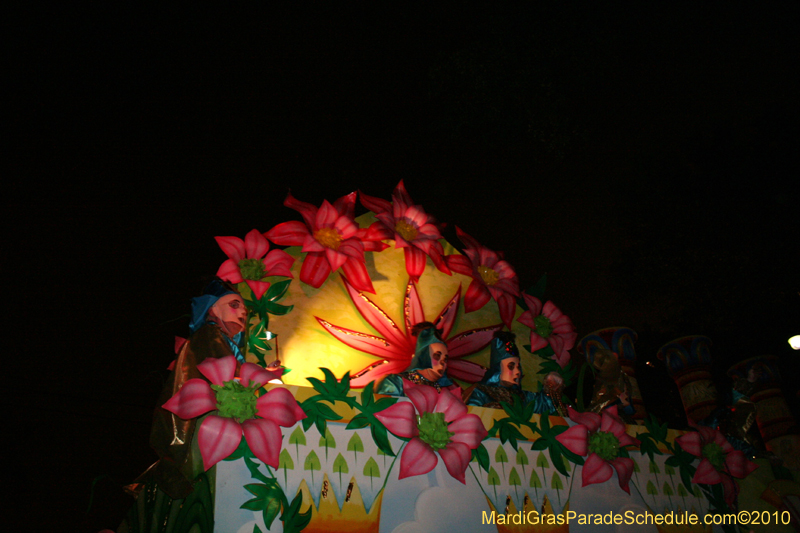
492 278
251 261
549 327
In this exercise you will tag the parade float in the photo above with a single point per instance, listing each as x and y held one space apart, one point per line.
309 446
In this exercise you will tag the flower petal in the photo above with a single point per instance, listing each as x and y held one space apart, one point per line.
335 258
424 398
217 438
706 473
465 370
534 305
468 430
417 458
612 424
346 205
326 216
477 296
469 342
575 439
280 406
452 407
258 287
590 420
691 442
264 438
415 262
229 271
459 264
291 233
218 371
356 272
232 246
255 244
456 457
306 210
279 263
537 342
738 465
508 306
374 204
252 373
595 470
315 269
400 419
194 399
624 468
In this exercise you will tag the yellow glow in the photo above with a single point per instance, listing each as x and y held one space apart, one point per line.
794 342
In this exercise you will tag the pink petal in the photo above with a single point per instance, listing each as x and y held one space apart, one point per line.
416 215
465 370
291 233
370 344
232 246
346 227
468 430
378 319
279 263
452 406
590 420
218 437
610 423
447 316
352 248
730 489
179 342
562 359
356 273
400 419
315 269
375 246
692 443
346 205
335 258
229 271
377 231
306 210
595 470
374 204
195 398
255 245
258 287
507 307
706 473
468 241
412 306
575 439
364 377
471 341
437 255
251 373
401 195
311 244
429 232
624 468
551 311
417 458
264 438
534 304
456 457
627 440
459 264
537 342
738 465
477 296
423 398
280 406
218 371
326 216
415 262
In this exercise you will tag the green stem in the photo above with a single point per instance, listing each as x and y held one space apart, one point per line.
391 466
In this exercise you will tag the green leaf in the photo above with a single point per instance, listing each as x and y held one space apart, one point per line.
285 460
381 439
540 444
277 309
522 457
355 444
371 468
276 291
242 450
558 461
500 455
482 455
513 477
293 520
357 422
340 465
297 437
327 440
312 462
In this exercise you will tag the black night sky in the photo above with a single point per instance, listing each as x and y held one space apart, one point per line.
645 158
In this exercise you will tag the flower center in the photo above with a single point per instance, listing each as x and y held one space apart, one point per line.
604 444
328 237
715 455
252 269
543 326
489 276
234 400
433 430
406 229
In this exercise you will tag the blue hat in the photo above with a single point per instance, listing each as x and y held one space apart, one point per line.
202 304
422 355
502 347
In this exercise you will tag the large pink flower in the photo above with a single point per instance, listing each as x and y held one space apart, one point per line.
249 261
549 326
601 437
410 227
331 238
719 461
435 423
395 345
238 410
491 278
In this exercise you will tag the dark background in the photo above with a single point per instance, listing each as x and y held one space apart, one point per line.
645 158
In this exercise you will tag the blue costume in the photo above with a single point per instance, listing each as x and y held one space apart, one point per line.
491 391
396 384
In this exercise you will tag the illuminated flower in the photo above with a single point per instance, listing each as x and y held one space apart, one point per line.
238 410
435 423
249 261
331 239
549 326
491 278
396 346
410 227
719 461
601 437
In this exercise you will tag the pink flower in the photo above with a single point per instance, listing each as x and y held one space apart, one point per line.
491 278
601 437
435 423
719 462
249 261
549 326
410 227
238 410
331 238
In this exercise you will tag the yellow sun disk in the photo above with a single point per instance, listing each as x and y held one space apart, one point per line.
328 237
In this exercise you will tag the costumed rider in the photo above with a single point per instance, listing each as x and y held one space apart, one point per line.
218 328
501 383
612 386
428 366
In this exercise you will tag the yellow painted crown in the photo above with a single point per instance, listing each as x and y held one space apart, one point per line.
353 518
514 522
